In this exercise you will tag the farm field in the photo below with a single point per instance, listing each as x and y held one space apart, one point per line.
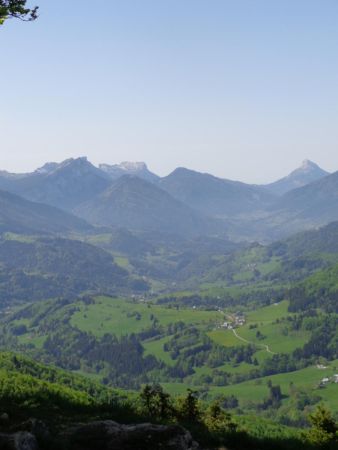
224 337
257 390
213 372
121 317
276 336
269 313
264 327
308 378
155 347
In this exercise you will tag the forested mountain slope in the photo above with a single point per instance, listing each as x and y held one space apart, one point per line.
316 202
138 205
23 216
215 196
40 268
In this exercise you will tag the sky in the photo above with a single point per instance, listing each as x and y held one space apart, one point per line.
242 89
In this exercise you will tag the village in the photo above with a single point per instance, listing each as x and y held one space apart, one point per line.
326 380
234 321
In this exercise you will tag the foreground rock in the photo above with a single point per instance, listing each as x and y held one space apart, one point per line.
37 428
18 441
109 435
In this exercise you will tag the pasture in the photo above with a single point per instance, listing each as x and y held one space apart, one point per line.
121 316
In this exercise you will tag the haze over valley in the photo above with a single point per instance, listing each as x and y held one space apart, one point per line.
185 203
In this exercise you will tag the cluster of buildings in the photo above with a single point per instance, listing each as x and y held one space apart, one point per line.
327 380
238 320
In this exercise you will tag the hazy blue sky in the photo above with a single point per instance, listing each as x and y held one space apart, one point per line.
244 89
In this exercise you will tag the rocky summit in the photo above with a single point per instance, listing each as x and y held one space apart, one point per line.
138 169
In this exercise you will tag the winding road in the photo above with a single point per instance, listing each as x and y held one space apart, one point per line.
253 343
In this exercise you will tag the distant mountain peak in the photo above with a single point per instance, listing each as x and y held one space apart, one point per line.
307 164
80 161
64 185
79 167
51 167
307 167
307 173
47 168
184 171
133 166
137 168
127 166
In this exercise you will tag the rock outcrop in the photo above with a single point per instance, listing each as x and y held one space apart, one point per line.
100 435
37 428
18 441
109 435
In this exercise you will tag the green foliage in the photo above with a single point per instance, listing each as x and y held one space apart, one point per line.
28 384
275 397
27 388
101 337
318 291
324 430
156 403
16 9
54 267
219 422
189 408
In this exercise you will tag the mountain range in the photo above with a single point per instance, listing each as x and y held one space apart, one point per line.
185 202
